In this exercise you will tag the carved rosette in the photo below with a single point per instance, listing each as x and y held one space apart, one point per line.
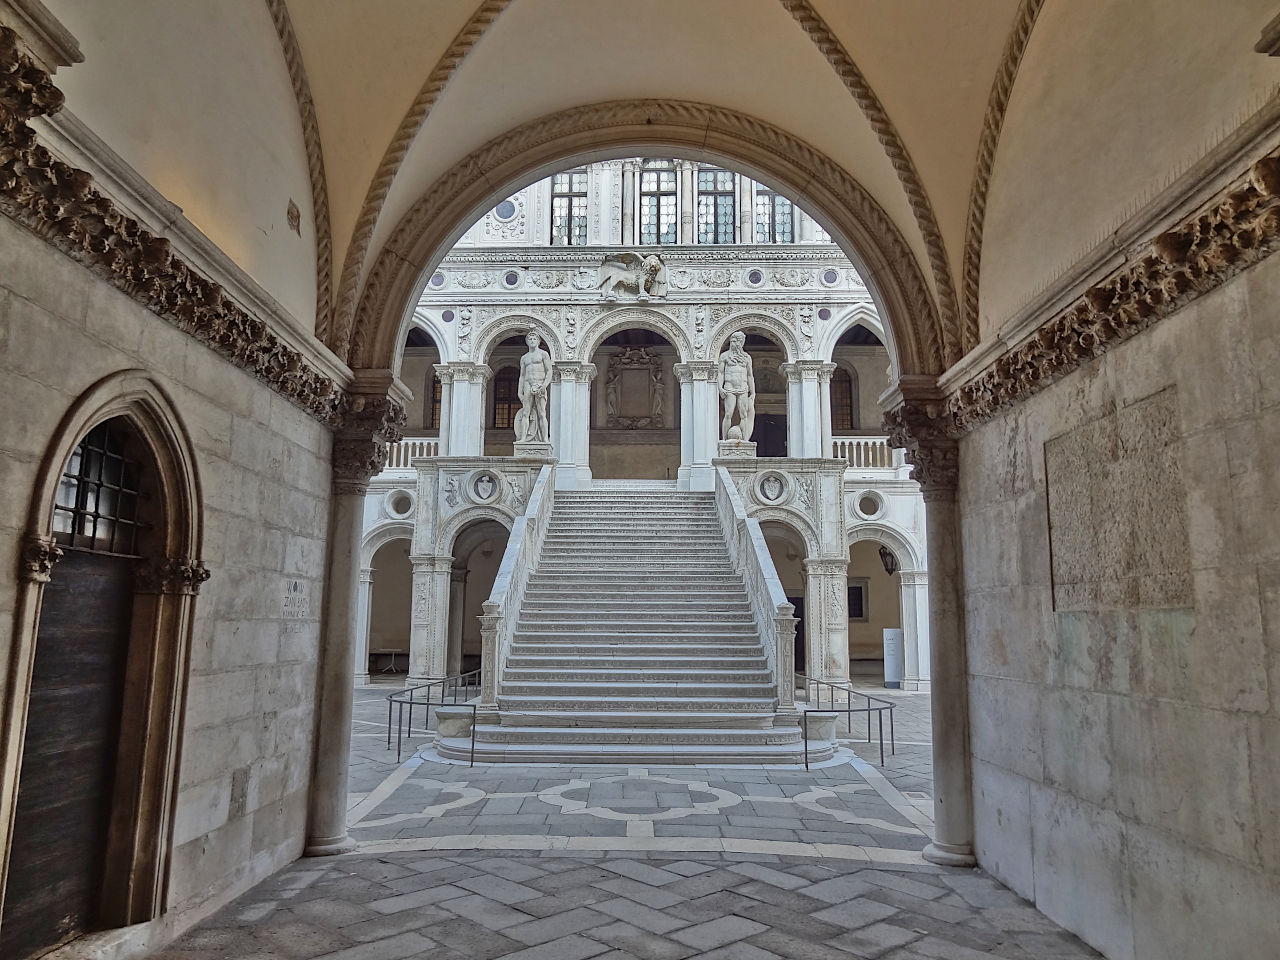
928 435
173 575
39 554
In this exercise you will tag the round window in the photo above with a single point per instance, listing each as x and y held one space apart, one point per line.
505 210
870 504
399 504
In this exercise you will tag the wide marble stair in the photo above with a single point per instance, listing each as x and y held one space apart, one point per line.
636 643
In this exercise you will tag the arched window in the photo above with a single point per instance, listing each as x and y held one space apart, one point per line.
844 401
506 400
775 217
97 505
657 201
569 208
716 206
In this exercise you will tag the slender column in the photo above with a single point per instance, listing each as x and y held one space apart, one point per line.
359 453
919 424
805 408
824 398
630 174
827 619
429 619
457 619
687 205
466 407
699 422
364 612
571 423
746 211
914 592
446 396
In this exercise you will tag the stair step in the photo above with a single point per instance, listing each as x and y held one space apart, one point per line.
611 650
587 672
627 719
572 704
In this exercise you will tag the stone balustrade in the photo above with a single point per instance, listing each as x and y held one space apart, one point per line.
400 456
867 453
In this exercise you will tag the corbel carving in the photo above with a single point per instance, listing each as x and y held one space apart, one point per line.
927 433
39 554
173 575
369 423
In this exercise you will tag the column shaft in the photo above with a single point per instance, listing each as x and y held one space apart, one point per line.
429 618
364 612
457 620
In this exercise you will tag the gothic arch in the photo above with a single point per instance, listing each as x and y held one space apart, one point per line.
626 318
512 325
159 641
860 313
909 550
623 128
464 518
423 321
777 330
381 535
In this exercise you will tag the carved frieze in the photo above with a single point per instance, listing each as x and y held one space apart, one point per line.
173 575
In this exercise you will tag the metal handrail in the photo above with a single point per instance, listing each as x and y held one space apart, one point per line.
448 686
849 711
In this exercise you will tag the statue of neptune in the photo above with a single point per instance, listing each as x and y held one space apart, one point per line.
737 390
535 379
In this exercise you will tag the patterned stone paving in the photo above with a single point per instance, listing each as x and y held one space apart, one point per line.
657 863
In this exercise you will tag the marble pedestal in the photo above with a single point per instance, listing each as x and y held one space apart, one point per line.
533 448
736 448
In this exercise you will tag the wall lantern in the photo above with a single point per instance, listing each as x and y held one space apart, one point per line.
889 560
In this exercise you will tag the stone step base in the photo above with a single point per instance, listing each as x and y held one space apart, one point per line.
584 671
672 704
574 688
519 664
609 651
628 719
634 754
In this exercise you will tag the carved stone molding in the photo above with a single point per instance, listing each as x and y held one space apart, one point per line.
827 42
173 575
348 285
992 123
315 163
39 554
1240 227
59 204
890 265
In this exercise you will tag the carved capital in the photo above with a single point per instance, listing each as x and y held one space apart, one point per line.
461 371
827 567
696 370
792 371
568 372
927 433
173 575
369 422
39 554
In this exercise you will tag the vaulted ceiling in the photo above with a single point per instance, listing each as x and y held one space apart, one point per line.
362 106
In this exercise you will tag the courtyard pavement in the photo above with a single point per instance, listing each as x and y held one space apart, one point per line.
552 862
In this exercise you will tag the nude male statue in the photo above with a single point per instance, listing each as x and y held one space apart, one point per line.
535 379
737 390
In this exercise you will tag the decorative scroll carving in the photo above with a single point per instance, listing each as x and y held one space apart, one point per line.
173 575
635 358
39 554
58 202
1238 229
928 434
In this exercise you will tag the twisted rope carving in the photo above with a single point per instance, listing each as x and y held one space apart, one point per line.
597 118
362 236
315 163
857 85
992 123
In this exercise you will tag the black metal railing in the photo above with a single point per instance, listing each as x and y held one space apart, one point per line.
837 692
435 693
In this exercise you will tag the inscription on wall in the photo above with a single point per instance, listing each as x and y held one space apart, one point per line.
1118 510
297 600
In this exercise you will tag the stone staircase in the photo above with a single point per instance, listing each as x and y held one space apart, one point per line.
636 643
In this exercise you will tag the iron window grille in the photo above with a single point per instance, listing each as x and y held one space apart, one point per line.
96 505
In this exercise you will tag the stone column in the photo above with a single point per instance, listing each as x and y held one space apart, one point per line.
913 586
465 433
571 423
359 452
429 618
746 211
446 406
699 423
687 204
824 398
456 615
630 186
364 611
918 422
827 619
804 408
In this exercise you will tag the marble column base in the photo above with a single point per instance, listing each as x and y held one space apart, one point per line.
736 448
329 846
950 855
532 448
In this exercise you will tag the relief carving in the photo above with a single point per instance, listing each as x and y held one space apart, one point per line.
638 359
39 554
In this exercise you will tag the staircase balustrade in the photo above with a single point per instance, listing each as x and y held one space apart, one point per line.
502 609
751 559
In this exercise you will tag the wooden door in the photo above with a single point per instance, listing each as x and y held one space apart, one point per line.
69 755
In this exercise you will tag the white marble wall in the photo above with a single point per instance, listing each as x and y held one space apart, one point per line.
264 465
1125 693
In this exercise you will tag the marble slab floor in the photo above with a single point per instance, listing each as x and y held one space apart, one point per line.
615 862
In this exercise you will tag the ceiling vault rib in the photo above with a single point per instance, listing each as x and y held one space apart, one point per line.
348 284
992 124
830 46
315 164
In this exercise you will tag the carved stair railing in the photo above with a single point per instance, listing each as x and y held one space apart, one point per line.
502 609
773 613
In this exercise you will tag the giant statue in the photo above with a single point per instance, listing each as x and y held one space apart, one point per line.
535 379
737 390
